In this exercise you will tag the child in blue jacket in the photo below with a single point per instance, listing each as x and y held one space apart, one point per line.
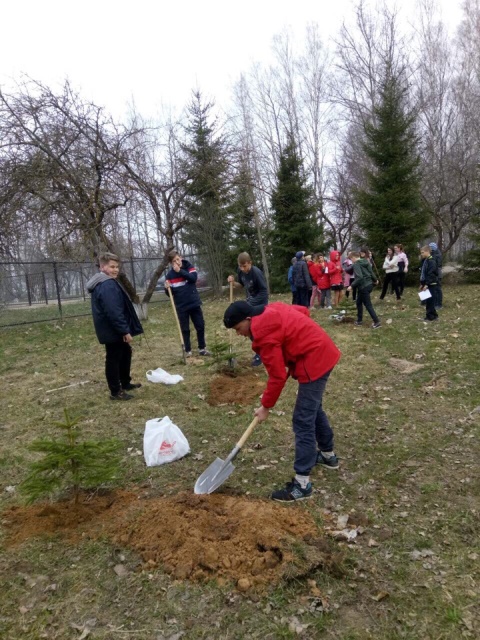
182 279
116 322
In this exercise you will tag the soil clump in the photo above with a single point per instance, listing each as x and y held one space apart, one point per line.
242 389
249 542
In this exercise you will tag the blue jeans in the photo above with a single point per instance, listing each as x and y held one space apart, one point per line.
310 425
303 299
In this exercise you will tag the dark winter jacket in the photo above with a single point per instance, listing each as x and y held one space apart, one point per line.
429 272
363 274
113 313
300 276
437 256
255 286
293 288
184 288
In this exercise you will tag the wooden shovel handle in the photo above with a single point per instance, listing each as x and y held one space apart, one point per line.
176 317
247 433
231 292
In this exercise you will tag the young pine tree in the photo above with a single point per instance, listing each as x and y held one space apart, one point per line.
70 463
390 204
294 220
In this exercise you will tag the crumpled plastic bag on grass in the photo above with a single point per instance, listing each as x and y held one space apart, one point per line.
160 375
163 442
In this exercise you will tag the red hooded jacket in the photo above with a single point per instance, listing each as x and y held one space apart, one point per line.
335 268
323 280
290 343
314 271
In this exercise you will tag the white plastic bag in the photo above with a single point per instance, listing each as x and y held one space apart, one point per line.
160 375
163 442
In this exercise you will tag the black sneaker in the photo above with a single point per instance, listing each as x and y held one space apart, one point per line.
357 323
328 463
376 325
204 352
121 395
130 386
293 492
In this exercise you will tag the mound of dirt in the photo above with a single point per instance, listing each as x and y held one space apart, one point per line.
243 389
223 537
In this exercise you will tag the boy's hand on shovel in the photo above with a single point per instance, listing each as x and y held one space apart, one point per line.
261 413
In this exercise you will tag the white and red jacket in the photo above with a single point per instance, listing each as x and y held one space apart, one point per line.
290 343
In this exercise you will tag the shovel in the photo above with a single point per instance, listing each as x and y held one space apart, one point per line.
220 470
184 355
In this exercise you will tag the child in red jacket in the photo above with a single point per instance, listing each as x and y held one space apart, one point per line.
323 283
336 277
291 344
314 271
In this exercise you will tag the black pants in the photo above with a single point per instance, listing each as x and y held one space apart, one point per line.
437 294
363 299
196 316
117 365
391 278
430 311
401 281
302 297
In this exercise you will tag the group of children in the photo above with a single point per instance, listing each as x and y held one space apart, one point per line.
284 337
313 278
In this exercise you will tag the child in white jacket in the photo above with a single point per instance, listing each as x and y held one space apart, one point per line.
390 266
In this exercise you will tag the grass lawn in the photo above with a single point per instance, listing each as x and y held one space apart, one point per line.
409 453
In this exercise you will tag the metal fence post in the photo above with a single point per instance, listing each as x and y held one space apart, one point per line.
57 287
29 293
81 283
45 292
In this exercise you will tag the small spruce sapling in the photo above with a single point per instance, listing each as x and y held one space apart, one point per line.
69 463
221 352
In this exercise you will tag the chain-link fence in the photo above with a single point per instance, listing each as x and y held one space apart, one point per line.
43 291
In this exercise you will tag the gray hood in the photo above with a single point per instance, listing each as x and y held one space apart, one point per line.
97 279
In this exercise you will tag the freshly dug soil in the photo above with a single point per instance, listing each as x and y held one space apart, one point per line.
242 389
228 538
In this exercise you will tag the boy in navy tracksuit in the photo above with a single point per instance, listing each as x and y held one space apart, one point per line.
182 279
116 322
429 280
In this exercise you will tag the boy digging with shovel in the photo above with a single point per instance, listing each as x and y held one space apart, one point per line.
291 344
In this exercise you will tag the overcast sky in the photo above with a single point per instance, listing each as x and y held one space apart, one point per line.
156 51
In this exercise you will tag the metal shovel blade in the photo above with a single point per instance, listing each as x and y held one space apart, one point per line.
214 476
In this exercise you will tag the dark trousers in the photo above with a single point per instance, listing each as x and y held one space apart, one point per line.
430 303
117 365
401 281
310 425
325 298
196 316
437 295
294 297
363 300
393 279
303 299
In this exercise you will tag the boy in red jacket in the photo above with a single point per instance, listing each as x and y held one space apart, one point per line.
291 344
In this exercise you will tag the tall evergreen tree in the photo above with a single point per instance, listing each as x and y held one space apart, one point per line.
390 205
242 215
295 225
204 160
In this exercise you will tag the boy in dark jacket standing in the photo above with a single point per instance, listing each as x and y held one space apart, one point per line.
291 344
429 280
363 283
437 292
301 280
116 322
182 279
252 279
